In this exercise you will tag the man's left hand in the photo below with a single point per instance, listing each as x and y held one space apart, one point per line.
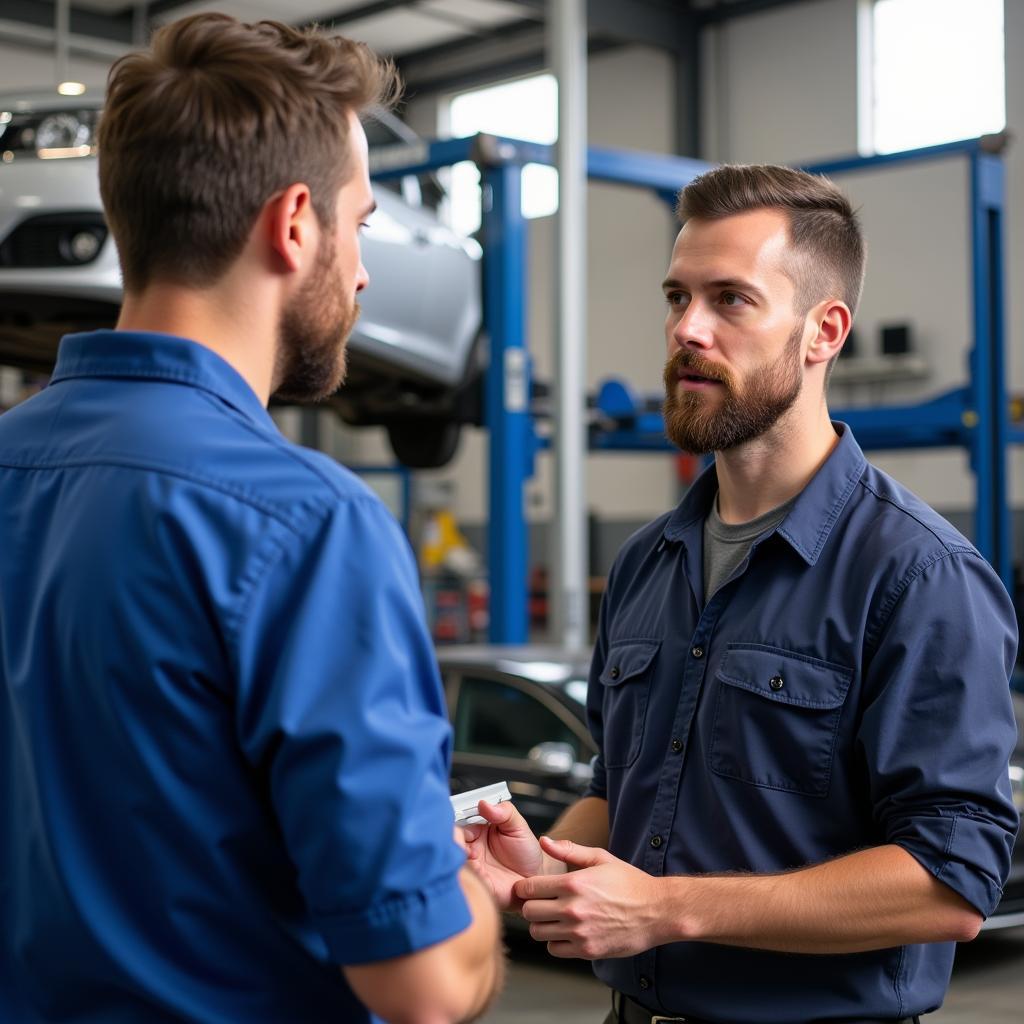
603 907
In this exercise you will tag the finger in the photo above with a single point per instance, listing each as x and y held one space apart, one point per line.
506 817
471 833
543 887
550 931
563 949
460 840
542 910
574 854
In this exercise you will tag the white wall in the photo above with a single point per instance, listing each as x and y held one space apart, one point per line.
781 86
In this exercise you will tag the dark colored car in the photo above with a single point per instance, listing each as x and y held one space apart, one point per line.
519 716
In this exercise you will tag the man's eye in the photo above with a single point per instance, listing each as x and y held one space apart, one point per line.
732 299
675 298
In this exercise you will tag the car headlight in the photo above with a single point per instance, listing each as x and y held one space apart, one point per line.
63 134
49 135
1017 785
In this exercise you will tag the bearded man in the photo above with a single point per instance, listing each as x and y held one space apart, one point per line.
223 741
800 688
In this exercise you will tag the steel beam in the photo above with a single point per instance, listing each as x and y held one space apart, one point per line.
569 592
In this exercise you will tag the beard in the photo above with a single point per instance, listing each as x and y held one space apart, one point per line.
695 423
312 333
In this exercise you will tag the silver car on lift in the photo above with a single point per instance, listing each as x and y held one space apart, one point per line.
414 356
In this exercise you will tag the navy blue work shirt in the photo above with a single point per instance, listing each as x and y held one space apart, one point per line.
846 688
223 744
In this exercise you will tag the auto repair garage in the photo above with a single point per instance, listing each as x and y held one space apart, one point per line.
646 508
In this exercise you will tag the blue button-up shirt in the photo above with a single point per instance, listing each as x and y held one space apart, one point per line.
846 688
223 745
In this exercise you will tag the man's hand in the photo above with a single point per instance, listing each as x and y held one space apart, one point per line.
503 852
603 908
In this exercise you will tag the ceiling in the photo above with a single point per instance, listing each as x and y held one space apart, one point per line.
428 38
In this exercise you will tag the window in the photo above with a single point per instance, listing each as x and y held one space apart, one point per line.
932 72
525 109
504 721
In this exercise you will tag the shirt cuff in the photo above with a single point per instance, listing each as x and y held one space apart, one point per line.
968 854
599 780
396 926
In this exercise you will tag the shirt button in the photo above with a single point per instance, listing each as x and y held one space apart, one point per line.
645 982
697 652
615 672
677 745
776 683
656 841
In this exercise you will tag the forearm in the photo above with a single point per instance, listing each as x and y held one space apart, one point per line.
449 982
478 958
872 899
585 823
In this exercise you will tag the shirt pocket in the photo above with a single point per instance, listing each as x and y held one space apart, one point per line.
627 686
776 718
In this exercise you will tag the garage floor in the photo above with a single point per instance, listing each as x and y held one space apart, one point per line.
987 988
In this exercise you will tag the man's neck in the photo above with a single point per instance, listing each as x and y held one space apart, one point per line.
238 323
764 473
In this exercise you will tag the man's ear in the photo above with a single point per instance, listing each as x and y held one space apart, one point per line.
291 224
834 320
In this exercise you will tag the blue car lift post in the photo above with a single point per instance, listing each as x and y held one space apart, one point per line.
975 417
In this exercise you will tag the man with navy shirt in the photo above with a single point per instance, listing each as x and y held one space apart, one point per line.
223 744
799 689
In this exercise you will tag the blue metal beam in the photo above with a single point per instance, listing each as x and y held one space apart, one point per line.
656 171
965 147
988 398
506 409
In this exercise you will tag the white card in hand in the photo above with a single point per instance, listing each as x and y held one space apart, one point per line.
465 804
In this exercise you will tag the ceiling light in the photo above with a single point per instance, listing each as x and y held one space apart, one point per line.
71 88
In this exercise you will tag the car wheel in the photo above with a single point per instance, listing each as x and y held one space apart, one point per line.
422 443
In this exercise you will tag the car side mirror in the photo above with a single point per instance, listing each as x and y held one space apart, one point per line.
553 758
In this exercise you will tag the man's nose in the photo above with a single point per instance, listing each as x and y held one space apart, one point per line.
362 278
693 328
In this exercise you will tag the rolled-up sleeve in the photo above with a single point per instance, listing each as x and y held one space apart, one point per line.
938 727
341 712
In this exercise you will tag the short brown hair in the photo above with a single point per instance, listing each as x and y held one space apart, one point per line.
201 129
824 230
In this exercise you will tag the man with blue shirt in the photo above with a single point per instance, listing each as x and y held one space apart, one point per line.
800 684
223 744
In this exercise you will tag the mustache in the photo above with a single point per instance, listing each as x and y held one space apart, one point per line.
685 361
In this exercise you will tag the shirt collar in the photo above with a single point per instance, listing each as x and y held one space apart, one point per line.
813 515
153 356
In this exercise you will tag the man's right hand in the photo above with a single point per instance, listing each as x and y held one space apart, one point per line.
503 852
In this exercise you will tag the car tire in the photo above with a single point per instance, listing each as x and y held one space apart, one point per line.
424 443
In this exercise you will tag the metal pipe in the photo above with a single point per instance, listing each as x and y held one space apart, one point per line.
62 29
140 24
569 592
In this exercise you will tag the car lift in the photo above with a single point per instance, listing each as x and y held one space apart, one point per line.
975 417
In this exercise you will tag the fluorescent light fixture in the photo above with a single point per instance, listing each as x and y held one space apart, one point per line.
71 88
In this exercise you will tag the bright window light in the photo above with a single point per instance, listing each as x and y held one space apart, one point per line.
525 109
938 72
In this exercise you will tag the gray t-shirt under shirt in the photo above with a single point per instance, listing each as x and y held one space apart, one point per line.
726 545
